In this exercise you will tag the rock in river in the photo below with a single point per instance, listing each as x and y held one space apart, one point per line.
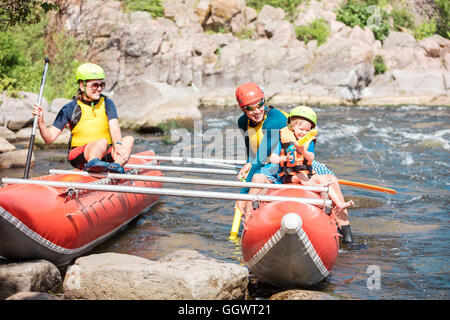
184 274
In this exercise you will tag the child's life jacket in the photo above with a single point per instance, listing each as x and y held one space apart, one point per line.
299 163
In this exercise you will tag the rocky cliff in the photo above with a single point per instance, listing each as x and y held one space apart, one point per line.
201 50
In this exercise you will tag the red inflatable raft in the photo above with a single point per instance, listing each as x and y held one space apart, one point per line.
42 222
289 244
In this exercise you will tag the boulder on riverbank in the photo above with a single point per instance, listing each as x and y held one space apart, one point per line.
33 296
185 274
15 113
36 275
148 103
15 159
302 295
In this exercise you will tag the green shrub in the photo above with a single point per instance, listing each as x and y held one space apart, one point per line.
443 22
365 13
246 34
289 6
402 18
317 30
425 30
380 66
155 7
8 85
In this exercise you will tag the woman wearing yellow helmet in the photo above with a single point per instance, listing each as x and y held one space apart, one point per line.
96 144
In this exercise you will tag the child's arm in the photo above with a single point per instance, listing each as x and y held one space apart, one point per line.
303 149
276 159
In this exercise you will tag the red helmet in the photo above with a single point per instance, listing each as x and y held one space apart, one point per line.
248 93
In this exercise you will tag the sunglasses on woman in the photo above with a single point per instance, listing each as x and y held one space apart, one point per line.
254 106
97 85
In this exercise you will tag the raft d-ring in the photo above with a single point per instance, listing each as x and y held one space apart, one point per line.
256 202
71 192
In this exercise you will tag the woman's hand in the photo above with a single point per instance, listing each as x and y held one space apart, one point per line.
39 112
243 173
121 151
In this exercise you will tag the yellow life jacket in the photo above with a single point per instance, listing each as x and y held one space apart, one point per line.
93 124
255 135
300 164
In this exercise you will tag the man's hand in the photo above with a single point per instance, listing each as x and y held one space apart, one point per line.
243 173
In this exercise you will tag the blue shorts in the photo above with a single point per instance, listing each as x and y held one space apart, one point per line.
271 172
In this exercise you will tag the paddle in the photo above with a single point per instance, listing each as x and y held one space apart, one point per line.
366 186
35 120
236 223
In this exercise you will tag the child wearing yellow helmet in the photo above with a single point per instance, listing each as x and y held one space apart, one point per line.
295 160
96 143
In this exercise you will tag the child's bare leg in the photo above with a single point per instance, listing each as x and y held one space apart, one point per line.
341 209
303 179
336 196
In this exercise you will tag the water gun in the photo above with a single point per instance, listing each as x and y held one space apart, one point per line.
311 134
290 151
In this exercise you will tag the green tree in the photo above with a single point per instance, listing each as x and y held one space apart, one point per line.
22 50
14 12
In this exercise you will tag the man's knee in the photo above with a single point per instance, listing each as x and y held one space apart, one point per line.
259 178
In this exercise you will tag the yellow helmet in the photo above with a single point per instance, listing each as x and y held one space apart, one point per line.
304 112
89 71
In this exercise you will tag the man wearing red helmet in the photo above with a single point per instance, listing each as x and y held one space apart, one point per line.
260 125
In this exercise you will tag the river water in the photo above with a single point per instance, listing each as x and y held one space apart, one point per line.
403 240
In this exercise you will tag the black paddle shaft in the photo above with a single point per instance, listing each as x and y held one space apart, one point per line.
35 120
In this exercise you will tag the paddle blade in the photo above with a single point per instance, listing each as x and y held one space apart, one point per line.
236 224
366 186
